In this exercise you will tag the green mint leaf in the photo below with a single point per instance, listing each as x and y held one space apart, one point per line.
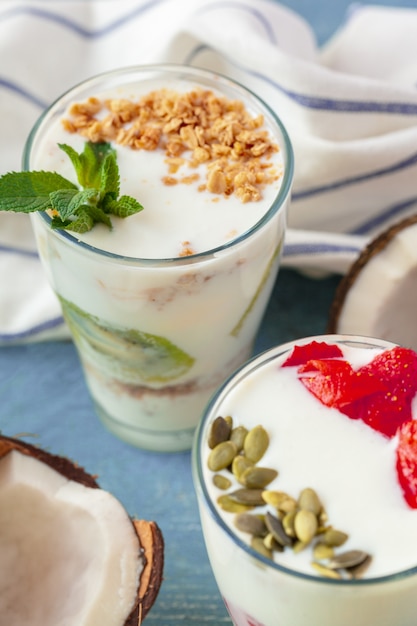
99 215
124 206
76 161
88 164
25 192
67 201
75 209
110 181
83 222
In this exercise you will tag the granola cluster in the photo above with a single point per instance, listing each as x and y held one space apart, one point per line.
193 128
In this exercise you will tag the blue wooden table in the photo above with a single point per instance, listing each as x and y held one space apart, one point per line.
42 392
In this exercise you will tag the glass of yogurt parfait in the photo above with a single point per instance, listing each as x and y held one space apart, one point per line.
305 469
165 304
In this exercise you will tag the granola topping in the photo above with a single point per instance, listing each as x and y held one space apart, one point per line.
195 128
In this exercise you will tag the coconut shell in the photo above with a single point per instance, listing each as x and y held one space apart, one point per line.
149 535
370 251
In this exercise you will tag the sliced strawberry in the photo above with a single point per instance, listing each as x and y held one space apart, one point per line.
336 384
327 379
382 411
407 461
397 367
311 351
387 410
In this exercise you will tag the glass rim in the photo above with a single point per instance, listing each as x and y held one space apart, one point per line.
198 475
277 205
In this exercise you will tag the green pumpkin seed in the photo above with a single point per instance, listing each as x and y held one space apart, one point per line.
280 500
256 443
257 477
231 506
222 482
299 546
321 551
288 523
274 525
333 537
238 435
309 500
325 571
348 559
252 524
221 456
358 570
272 544
247 496
305 525
219 432
258 545
239 464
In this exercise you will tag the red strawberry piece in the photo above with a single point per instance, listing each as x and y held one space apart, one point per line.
390 407
407 461
327 379
382 411
312 350
336 384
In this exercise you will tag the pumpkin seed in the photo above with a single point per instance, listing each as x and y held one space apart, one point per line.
280 500
322 551
238 435
239 464
257 477
258 545
305 525
358 570
309 500
288 523
247 496
325 571
256 443
252 524
221 456
274 525
274 498
221 482
219 431
348 559
229 420
333 537
231 506
299 546
271 543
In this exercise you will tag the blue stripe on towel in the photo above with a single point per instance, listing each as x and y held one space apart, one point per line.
33 331
311 249
389 215
313 102
395 167
26 95
61 20
13 250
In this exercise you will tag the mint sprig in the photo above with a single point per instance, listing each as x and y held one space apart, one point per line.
74 208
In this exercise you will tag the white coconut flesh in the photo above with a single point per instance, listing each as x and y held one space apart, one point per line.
69 555
378 296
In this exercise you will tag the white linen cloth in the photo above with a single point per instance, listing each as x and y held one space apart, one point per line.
350 108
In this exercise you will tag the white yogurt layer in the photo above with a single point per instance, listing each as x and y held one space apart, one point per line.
173 214
351 466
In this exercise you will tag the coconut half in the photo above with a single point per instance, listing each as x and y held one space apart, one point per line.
378 295
70 555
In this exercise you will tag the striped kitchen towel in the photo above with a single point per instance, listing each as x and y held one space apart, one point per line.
350 108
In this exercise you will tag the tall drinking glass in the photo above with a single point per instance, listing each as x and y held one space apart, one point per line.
157 335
